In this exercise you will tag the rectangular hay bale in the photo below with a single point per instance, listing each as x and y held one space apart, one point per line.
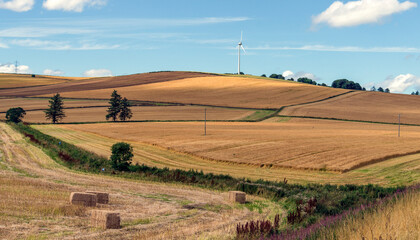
105 219
86 199
102 197
237 196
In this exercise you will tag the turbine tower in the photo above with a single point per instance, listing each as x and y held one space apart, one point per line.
239 54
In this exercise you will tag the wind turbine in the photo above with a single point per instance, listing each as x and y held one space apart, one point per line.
239 54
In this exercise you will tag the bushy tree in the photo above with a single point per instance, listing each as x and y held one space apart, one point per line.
55 112
387 90
125 111
380 89
115 108
277 76
121 156
15 114
346 84
263 75
306 80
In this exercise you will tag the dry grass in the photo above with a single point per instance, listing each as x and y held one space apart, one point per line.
399 220
366 106
34 194
395 171
142 113
220 91
26 80
39 103
298 143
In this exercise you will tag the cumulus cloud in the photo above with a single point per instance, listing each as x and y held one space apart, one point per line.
17 5
11 68
98 73
53 72
402 82
71 5
355 13
289 74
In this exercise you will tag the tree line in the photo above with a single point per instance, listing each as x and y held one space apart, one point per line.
119 109
339 83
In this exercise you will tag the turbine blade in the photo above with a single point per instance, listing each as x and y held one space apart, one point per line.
241 35
243 49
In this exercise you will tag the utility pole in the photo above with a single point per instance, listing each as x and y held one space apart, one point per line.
205 121
399 125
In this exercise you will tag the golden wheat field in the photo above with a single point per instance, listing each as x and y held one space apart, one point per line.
146 113
366 106
298 143
220 91
26 80
35 190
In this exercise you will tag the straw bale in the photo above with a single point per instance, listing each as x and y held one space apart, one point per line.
105 219
86 199
102 197
237 196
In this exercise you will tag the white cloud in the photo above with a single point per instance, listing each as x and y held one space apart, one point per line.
289 74
98 73
324 48
402 82
355 13
71 5
3 45
59 45
17 5
53 72
11 68
36 32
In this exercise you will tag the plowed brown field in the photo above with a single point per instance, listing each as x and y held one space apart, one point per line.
220 91
365 106
300 144
175 113
100 83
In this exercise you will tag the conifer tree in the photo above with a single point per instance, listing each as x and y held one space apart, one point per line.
55 112
115 107
125 111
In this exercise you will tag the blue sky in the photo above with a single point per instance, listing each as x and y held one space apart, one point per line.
373 42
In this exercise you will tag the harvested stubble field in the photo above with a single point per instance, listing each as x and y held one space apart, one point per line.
100 83
248 150
161 113
42 103
365 106
26 80
219 91
35 190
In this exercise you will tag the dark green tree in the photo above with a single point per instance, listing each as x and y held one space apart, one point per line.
55 112
115 107
15 114
387 90
306 80
125 111
373 89
263 75
346 84
122 154
380 89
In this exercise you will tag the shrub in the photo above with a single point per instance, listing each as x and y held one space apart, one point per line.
121 156
15 114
